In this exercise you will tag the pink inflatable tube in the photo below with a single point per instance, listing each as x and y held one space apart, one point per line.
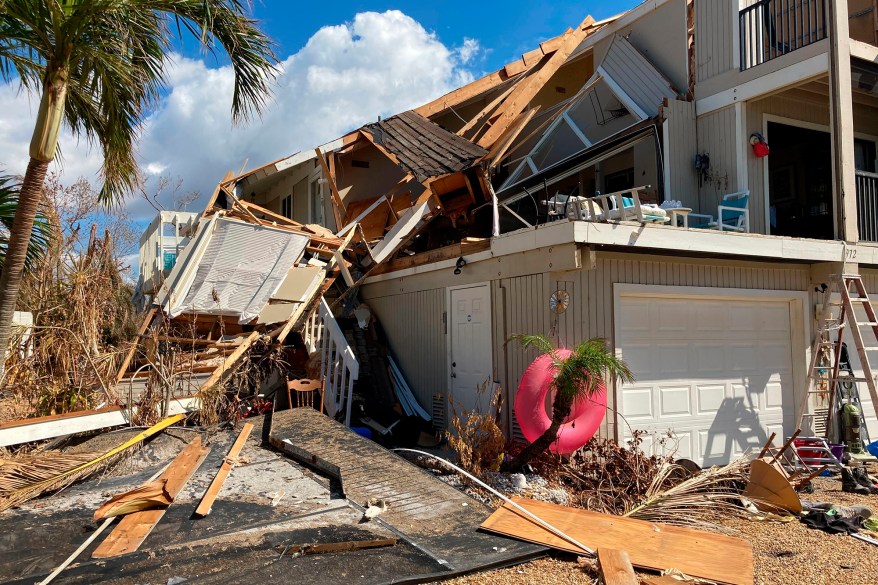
533 408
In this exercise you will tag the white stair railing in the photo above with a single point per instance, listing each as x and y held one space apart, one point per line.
339 367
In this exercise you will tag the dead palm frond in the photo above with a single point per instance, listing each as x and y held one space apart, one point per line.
19 474
696 501
50 471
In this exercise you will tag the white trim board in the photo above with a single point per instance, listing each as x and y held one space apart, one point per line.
816 66
39 429
800 324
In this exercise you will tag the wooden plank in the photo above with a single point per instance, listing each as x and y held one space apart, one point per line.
499 149
649 545
462 94
331 547
49 427
231 360
133 529
474 121
216 485
615 567
338 209
529 87
130 355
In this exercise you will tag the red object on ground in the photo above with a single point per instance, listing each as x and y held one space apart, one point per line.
533 408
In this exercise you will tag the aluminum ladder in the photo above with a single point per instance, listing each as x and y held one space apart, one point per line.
823 372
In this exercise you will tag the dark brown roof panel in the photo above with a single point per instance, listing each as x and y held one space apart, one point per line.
422 147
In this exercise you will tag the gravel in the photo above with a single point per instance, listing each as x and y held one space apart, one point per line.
784 553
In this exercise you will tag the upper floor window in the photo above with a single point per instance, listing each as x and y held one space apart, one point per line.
315 199
286 206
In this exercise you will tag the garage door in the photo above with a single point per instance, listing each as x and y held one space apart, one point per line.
714 376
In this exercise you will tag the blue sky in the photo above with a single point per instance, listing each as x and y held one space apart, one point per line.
343 64
504 30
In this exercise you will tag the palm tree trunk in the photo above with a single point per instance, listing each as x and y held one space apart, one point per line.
19 237
561 408
43 145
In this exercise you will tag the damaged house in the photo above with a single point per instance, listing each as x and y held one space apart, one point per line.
680 180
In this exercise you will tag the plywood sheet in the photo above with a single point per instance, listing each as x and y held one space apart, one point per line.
649 545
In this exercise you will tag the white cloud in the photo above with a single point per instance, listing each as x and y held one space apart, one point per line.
469 50
346 75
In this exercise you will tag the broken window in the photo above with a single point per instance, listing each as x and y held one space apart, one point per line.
595 114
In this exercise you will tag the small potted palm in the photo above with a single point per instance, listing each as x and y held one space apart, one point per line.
577 375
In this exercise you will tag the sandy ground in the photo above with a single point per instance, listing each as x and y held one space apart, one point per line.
783 553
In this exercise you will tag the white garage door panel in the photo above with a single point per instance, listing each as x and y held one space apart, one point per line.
717 373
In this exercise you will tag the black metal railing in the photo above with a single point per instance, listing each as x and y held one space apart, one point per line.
867 206
772 28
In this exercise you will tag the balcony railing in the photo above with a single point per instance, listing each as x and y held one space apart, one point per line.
867 206
772 28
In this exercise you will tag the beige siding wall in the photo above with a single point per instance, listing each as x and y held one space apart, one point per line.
661 36
414 328
680 151
717 137
520 305
715 26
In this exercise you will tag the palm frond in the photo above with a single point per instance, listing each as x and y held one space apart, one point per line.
696 501
46 468
539 342
114 58
42 233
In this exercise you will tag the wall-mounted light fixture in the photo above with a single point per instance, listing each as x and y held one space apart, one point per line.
460 264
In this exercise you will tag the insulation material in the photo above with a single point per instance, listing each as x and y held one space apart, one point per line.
241 267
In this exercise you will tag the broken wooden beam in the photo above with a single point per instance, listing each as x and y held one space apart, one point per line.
529 87
332 547
216 485
615 567
231 360
133 529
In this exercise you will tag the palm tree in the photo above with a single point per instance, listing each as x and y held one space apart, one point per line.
42 231
577 376
99 66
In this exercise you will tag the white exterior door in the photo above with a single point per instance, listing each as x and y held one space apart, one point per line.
715 373
470 345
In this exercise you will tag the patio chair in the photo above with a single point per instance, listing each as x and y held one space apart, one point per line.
624 206
732 215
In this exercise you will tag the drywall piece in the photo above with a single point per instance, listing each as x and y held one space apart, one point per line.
276 313
298 283
650 545
133 529
216 485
